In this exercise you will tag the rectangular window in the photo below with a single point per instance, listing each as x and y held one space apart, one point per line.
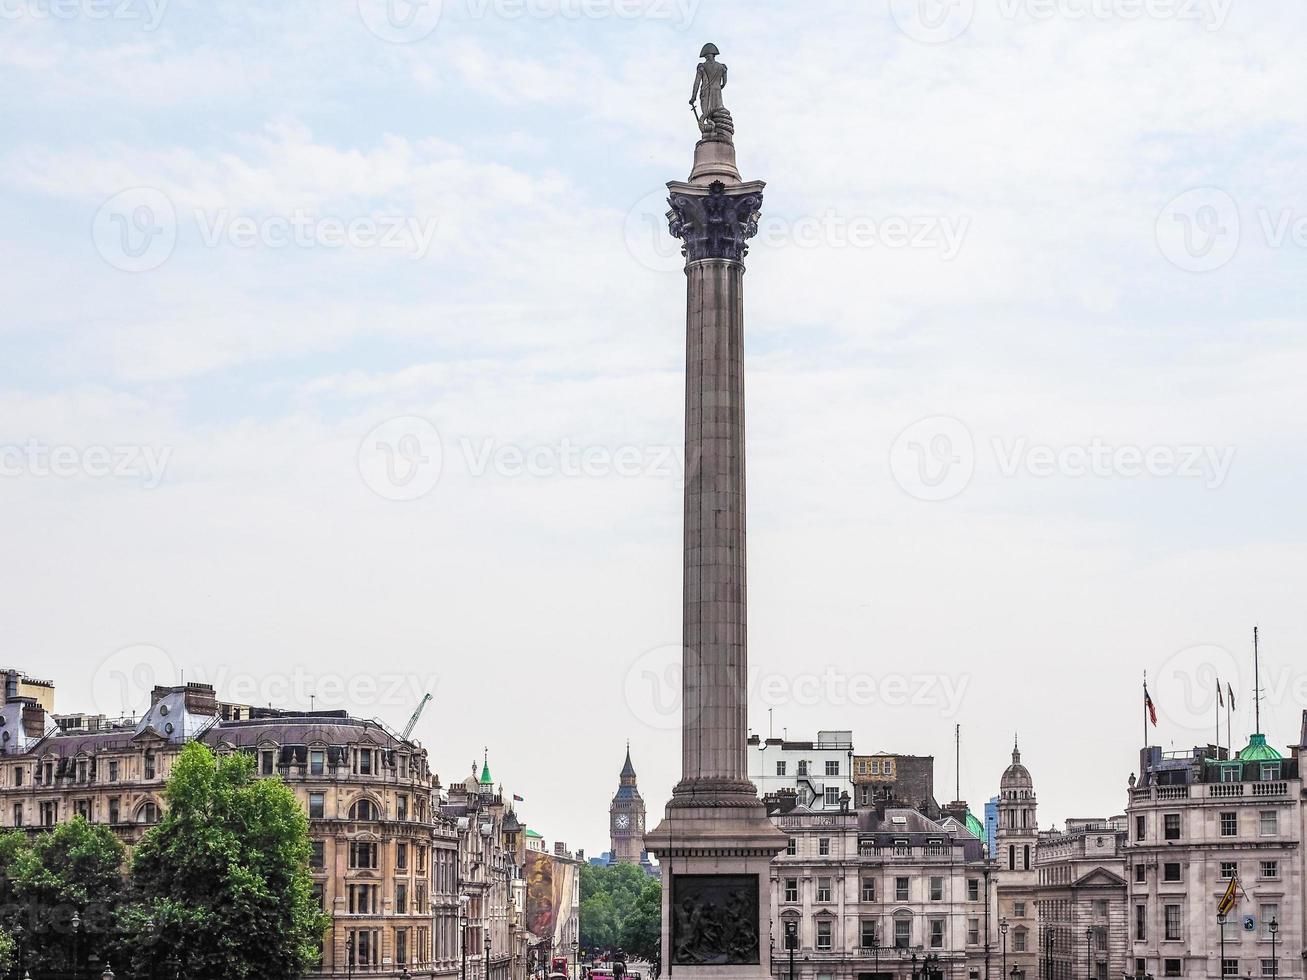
317 762
1229 825
1270 771
401 947
901 889
114 813
81 770
936 889
401 855
792 847
803 767
1141 923
1269 914
832 796
49 813
149 765
317 854
317 806
823 934
1270 869
265 763
1269 968
902 933
973 932
1229 968
1019 909
936 933
1229 869
1172 826
870 934
113 771
1140 826
83 809
18 775
823 846
832 767
823 889
792 890
18 814
1171 871
1019 940
780 768
320 894
1173 924
869 889
973 889
1172 968
1269 823
362 854
401 898
401 806
1141 873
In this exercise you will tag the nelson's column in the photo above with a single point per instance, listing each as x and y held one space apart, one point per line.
715 844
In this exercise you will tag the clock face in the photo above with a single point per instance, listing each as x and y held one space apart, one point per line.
623 821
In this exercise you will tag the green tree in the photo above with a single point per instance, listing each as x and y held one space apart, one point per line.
620 906
61 892
221 886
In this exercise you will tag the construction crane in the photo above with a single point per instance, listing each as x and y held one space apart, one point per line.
417 713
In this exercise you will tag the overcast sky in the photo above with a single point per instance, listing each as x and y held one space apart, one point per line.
343 356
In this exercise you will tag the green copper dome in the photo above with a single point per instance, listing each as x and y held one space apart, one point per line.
976 828
1259 751
485 773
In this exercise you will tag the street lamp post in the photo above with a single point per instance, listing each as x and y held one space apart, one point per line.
1089 953
1275 962
349 956
1220 921
791 942
462 923
1002 928
77 942
487 954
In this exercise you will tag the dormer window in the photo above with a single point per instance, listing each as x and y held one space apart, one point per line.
1270 771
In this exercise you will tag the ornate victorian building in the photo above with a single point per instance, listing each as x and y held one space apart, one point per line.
1082 901
1197 822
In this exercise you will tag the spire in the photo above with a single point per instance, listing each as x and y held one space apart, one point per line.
1016 750
485 769
628 770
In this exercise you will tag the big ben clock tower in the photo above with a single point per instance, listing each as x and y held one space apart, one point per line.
626 818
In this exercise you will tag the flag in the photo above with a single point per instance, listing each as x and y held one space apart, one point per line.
1229 898
1152 709
1231 690
1220 698
518 799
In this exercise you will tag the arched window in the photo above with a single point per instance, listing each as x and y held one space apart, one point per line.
148 812
364 809
1026 862
1012 856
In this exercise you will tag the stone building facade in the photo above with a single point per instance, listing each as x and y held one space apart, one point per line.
1016 881
819 772
411 876
1196 821
871 894
1081 902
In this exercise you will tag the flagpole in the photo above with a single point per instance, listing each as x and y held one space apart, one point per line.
1145 707
1219 701
1257 682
